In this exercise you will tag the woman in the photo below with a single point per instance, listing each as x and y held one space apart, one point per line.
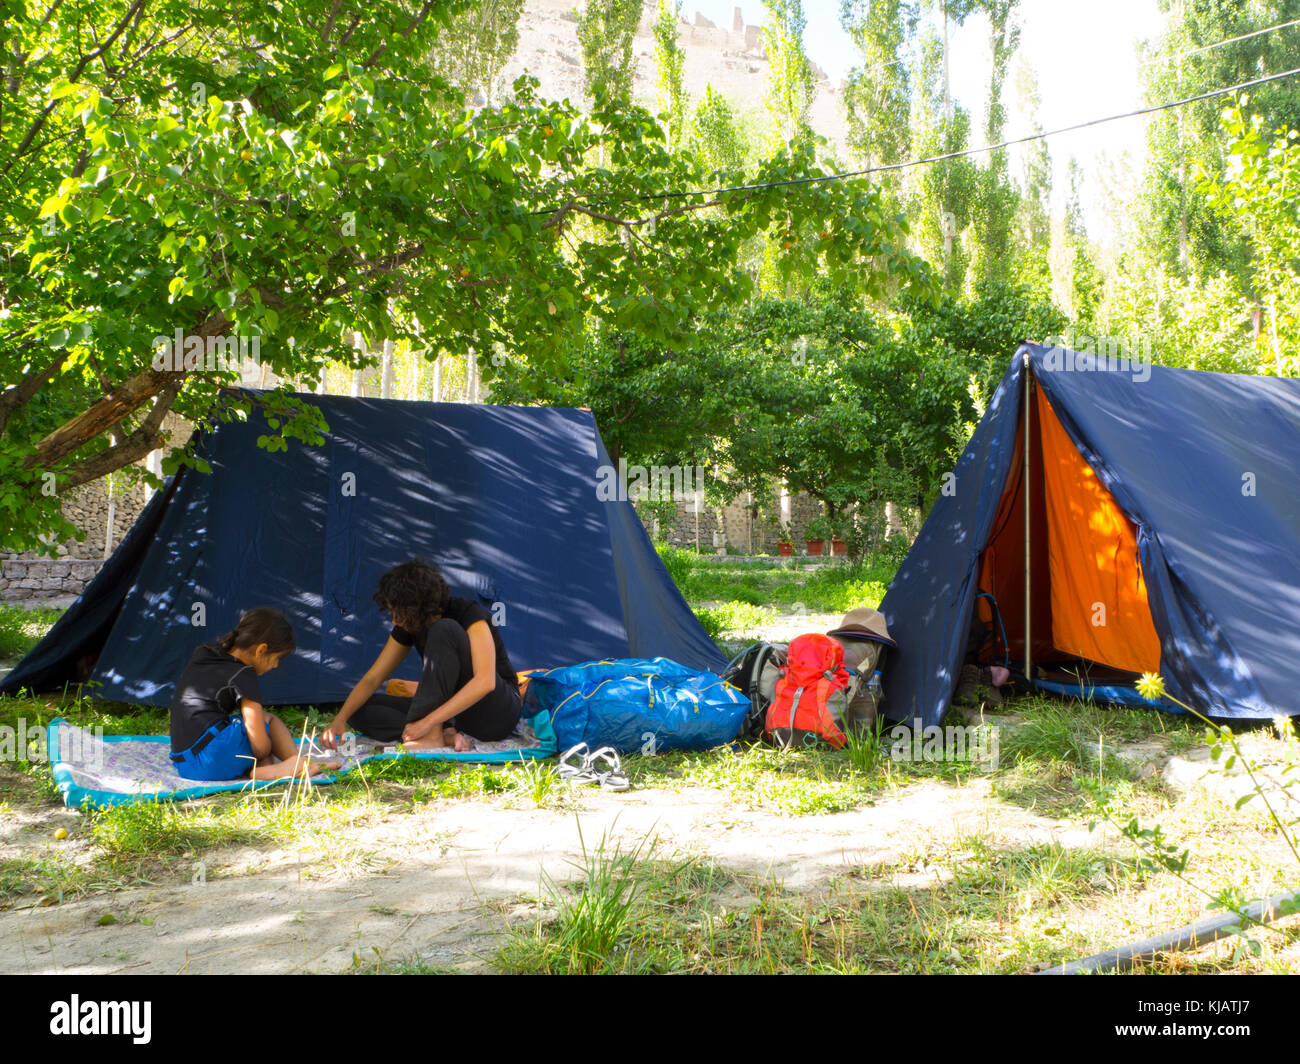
467 688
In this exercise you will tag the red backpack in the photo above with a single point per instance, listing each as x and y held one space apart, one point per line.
811 696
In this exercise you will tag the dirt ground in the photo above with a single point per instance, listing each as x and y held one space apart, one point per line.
432 886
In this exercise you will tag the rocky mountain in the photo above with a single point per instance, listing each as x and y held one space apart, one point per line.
730 58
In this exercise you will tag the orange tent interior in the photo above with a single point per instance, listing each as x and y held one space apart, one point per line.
1088 599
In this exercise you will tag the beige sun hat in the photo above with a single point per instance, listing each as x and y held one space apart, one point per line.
864 623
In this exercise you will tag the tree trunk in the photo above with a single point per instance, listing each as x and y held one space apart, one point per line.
386 379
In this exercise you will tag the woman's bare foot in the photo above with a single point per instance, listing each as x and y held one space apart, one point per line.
463 743
429 742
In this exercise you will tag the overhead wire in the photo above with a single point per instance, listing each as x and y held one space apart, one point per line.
846 175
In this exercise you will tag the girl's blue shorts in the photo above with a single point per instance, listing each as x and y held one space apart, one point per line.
223 752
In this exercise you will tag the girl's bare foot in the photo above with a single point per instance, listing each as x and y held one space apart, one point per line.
462 743
315 768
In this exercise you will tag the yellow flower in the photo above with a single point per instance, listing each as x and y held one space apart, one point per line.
1151 686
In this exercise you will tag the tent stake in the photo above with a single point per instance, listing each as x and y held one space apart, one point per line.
1029 652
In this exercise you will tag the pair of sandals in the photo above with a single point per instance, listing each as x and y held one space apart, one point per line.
580 764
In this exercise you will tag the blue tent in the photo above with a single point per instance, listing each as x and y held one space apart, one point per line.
1163 535
503 499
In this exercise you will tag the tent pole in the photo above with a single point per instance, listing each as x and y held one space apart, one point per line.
1029 652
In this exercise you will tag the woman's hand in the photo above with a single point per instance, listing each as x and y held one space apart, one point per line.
420 729
389 658
333 735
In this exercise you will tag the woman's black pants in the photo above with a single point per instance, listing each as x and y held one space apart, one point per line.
448 666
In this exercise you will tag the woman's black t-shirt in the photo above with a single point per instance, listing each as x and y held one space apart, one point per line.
465 612
211 688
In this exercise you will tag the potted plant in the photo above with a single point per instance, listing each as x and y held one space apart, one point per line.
816 532
785 546
839 538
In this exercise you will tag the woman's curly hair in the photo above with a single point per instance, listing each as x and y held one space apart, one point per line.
414 592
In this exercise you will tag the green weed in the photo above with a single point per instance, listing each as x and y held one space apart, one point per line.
592 926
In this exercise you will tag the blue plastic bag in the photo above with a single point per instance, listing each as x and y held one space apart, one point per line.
637 705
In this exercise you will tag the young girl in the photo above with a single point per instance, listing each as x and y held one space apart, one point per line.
467 687
218 727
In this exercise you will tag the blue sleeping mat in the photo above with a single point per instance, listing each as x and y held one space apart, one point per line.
104 770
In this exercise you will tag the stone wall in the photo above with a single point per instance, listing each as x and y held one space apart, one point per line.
31 575
87 508
44 578
735 527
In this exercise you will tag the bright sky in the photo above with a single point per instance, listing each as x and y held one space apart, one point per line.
1083 53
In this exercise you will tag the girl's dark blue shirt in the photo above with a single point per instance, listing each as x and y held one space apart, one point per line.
210 689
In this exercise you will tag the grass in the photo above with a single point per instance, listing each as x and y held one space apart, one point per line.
968 904
733 617
21 628
830 588
125 846
796 782
379 965
161 829
636 912
56 876
1063 757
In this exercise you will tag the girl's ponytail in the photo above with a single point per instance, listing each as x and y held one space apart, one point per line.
261 625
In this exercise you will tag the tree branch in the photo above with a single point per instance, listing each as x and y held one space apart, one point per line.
123 400
84 62
328 28
132 448
18 395
424 13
